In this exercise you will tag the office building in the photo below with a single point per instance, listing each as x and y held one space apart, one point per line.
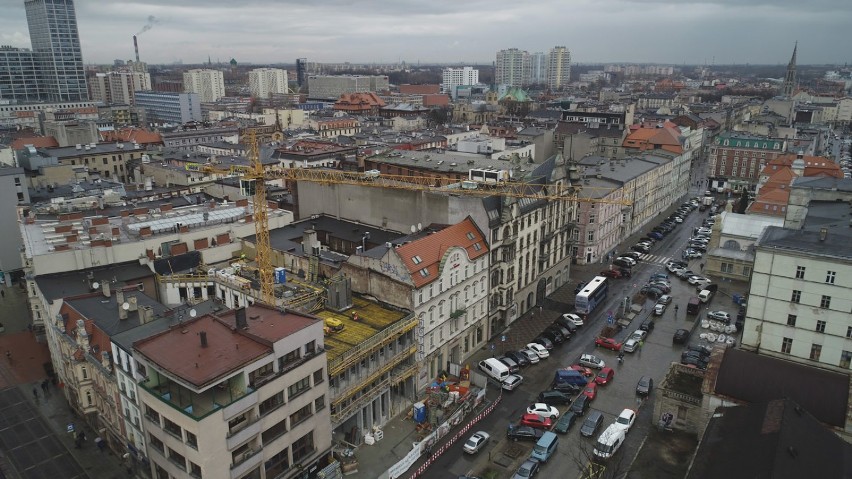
208 84
558 68
330 87
13 192
19 78
455 77
512 67
56 48
118 88
301 71
264 82
169 107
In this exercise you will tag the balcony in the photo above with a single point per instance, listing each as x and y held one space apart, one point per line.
249 460
242 435
194 404
239 406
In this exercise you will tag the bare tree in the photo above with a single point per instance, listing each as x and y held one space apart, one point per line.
592 467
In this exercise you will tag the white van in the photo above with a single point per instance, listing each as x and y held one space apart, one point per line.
705 295
609 441
494 368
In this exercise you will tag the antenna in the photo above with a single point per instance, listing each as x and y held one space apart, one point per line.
125 306
192 313
96 285
419 226
413 228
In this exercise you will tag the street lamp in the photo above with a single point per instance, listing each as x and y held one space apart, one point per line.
364 239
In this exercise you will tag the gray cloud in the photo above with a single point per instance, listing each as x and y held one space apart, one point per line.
268 31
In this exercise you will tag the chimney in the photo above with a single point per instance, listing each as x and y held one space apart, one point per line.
119 301
105 287
203 336
240 315
309 242
146 314
136 48
82 335
105 361
133 302
823 233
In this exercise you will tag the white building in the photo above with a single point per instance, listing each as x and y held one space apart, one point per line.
117 88
800 300
558 68
259 410
264 82
512 67
538 68
208 84
455 77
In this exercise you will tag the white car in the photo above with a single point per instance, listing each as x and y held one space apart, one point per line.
476 442
543 409
639 335
719 316
628 260
705 231
697 279
591 361
578 321
630 345
659 309
678 219
512 381
539 350
625 419
531 356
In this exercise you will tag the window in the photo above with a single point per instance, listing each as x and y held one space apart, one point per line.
786 345
191 440
727 268
319 403
416 260
272 403
829 276
303 447
177 459
273 432
800 272
849 331
299 387
791 320
845 359
157 443
288 360
319 376
172 428
154 416
194 470
277 463
825 302
820 327
797 295
591 236
816 350
300 415
591 219
746 270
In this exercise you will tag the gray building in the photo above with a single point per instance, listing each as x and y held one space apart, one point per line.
330 87
56 47
13 192
19 79
169 107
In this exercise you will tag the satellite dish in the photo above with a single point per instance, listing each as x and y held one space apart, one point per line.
96 285
413 228
419 226
125 306
192 313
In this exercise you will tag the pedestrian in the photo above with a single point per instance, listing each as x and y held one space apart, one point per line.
100 443
3 293
44 386
702 266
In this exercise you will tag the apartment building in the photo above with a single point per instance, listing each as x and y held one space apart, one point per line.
13 193
169 107
558 68
265 82
242 394
330 87
118 87
108 160
799 301
455 77
512 67
735 160
209 85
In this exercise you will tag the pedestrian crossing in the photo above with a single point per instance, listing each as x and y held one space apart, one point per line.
653 258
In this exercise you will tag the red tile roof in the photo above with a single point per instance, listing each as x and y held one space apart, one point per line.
814 166
431 250
130 135
665 138
36 141
266 324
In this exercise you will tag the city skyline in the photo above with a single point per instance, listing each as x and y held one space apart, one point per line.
372 31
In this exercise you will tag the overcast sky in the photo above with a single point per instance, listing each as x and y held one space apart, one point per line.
456 31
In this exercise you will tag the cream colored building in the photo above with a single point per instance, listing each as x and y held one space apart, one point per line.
208 84
558 68
118 87
259 411
264 82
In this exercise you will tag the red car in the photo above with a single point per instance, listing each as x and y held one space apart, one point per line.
604 376
608 343
582 370
591 390
536 421
611 273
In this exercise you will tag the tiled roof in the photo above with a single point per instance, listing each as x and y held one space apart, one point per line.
814 165
423 257
37 141
132 135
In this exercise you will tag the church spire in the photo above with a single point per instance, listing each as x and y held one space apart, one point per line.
790 77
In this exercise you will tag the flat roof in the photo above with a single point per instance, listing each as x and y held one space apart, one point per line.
372 319
269 324
835 245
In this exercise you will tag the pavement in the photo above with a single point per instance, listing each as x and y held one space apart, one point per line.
34 442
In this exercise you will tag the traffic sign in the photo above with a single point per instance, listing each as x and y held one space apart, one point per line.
610 320
503 338
492 346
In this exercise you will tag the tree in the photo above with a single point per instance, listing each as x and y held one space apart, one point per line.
742 205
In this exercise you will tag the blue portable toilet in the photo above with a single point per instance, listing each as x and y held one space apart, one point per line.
280 276
419 412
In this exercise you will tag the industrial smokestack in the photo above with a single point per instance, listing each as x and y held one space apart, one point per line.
136 48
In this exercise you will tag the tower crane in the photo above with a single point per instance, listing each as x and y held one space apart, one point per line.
252 183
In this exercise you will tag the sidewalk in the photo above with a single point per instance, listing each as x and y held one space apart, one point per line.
34 442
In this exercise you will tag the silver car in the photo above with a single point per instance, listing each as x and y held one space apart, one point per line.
476 442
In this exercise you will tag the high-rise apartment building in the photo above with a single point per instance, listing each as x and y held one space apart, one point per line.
455 77
512 67
301 71
538 68
56 49
558 68
169 107
263 82
118 88
208 84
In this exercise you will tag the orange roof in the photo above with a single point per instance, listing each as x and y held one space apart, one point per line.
137 135
651 138
36 141
773 203
425 257
814 165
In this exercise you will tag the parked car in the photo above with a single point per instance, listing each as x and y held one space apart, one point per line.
695 279
523 433
573 318
632 254
565 423
659 308
695 362
591 390
641 248
539 350
512 382
651 291
691 353
703 349
605 376
625 273
630 345
662 286
681 336
565 332
544 410
607 343
567 388
628 259
554 337
518 357
621 263
647 325
639 335
664 299
531 355
586 372
543 341
476 442
510 363
581 405
527 470
591 424
611 273
691 253
554 397
685 273
719 316
659 276
644 386
570 326
536 421
591 361
626 419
